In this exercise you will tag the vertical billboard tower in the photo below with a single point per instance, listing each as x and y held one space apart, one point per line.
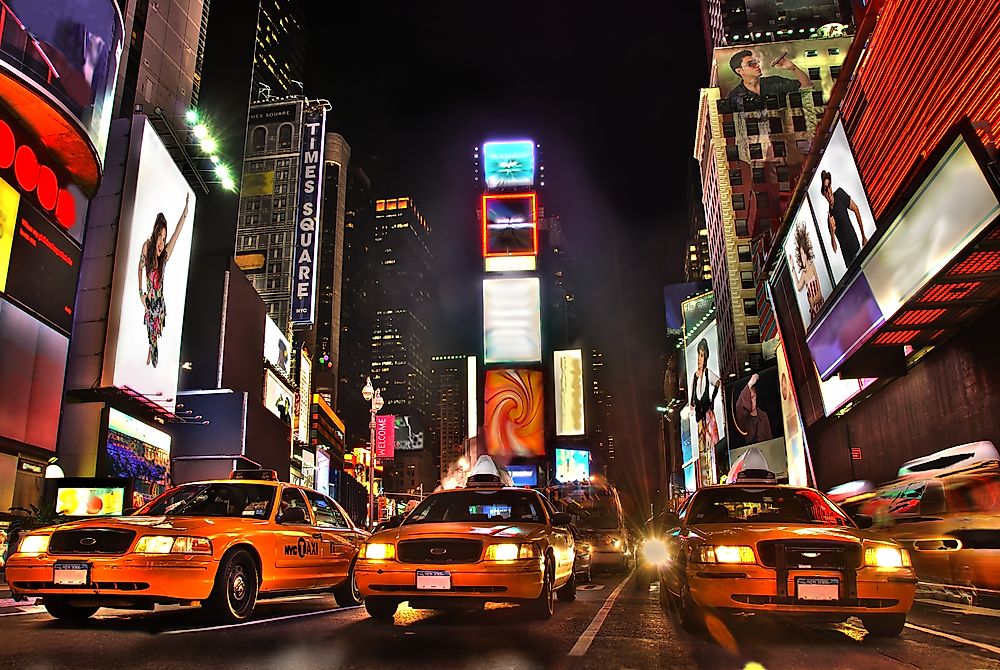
513 388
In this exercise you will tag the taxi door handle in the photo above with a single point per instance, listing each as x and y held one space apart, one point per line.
317 536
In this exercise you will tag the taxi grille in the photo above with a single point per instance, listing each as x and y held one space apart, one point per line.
91 541
440 551
812 555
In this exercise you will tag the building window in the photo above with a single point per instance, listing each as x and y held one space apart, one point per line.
763 200
753 334
285 136
749 307
743 253
774 125
258 139
724 105
833 51
814 73
756 360
779 149
736 177
782 173
739 203
759 176
753 127
818 98
811 53
741 228
756 151
729 129
746 279
834 71
772 102
799 123
795 100
732 152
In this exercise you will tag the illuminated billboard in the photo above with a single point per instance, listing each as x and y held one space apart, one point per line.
278 397
307 218
9 199
750 74
514 413
568 380
409 433
151 271
753 409
509 164
139 452
510 225
705 398
572 465
304 406
385 436
90 501
512 320
276 347
838 199
796 448
523 475
472 395
808 269
510 263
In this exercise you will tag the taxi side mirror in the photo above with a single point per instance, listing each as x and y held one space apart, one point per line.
562 519
863 521
293 515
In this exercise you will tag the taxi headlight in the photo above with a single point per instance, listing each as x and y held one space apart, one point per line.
723 554
191 545
154 544
503 552
654 551
171 544
34 544
886 557
378 551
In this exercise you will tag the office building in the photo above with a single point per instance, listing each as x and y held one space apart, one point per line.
450 377
556 270
280 54
730 22
697 260
602 437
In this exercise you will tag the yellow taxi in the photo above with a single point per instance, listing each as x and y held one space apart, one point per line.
222 543
487 542
763 548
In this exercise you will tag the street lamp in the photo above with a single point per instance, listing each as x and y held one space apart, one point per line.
374 396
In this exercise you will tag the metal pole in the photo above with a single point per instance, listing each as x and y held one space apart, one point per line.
371 468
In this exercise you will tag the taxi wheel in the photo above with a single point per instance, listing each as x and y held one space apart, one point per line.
380 607
348 594
544 606
235 593
567 592
687 610
61 610
884 625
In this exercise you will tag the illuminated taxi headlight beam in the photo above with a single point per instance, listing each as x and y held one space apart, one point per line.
173 544
886 557
724 554
509 551
378 551
34 544
654 552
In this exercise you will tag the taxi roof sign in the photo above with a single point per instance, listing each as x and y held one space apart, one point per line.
487 472
257 475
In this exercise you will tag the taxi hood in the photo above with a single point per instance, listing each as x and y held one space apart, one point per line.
153 523
750 534
468 530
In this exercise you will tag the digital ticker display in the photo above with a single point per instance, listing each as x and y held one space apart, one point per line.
509 164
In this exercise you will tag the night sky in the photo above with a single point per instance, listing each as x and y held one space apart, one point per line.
612 99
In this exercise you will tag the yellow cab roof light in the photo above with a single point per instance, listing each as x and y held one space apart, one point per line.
751 468
488 473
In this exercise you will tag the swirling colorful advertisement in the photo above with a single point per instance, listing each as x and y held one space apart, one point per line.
514 424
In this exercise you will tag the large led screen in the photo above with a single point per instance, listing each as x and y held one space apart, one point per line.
509 164
568 375
9 199
138 452
845 220
689 456
514 413
277 351
807 266
705 397
90 501
409 433
572 465
753 407
512 320
510 225
151 271
749 74
795 437
278 397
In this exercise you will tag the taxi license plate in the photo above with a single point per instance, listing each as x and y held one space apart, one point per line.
433 580
71 574
814 588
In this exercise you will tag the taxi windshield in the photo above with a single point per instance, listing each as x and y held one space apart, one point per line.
746 505
473 506
220 499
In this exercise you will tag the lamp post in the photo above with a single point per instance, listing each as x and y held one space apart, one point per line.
374 396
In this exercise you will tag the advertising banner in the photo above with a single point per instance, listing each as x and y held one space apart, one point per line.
9 199
706 399
689 455
90 501
568 373
276 347
409 433
510 225
512 320
795 436
514 413
304 407
572 465
278 397
151 271
385 436
307 218
523 475
774 454
509 164
138 452
753 407
808 268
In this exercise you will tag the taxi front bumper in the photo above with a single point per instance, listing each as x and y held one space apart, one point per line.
754 588
490 581
129 577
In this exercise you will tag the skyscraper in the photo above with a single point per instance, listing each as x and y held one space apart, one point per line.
600 414
279 59
730 22
450 406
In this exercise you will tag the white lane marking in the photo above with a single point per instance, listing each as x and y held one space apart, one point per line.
955 638
587 637
960 607
260 621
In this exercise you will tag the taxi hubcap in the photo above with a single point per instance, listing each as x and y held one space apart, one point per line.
239 586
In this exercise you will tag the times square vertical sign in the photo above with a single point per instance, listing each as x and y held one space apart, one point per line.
307 217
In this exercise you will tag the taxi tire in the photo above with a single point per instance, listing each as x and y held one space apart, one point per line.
237 575
381 607
60 609
567 592
687 611
348 594
884 625
543 607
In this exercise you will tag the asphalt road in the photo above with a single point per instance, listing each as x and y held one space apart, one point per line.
607 627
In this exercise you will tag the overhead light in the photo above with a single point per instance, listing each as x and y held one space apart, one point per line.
191 116
209 145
